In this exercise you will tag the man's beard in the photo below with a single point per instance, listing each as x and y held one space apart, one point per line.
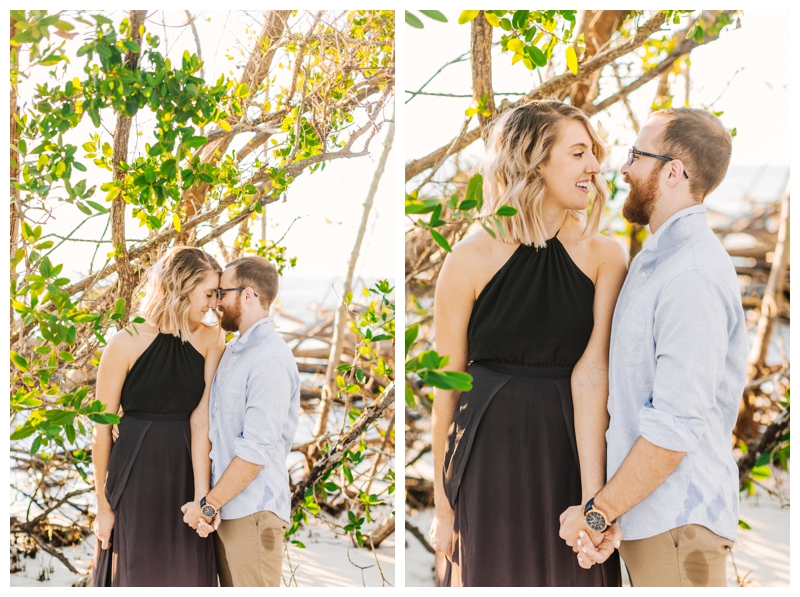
231 318
641 200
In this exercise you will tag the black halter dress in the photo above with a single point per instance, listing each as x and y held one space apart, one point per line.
150 476
511 463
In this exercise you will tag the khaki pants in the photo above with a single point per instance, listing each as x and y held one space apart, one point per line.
687 556
250 550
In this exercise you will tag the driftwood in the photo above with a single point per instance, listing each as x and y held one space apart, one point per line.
765 444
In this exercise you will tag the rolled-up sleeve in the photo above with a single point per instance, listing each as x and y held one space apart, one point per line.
691 332
268 395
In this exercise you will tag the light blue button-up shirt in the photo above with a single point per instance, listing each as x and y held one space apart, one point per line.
253 414
677 373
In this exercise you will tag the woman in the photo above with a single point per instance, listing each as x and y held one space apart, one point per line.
528 315
160 372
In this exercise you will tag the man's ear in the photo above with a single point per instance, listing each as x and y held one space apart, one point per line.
676 168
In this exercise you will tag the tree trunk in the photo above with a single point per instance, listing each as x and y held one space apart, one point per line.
481 60
597 27
14 212
255 71
127 278
329 386
773 294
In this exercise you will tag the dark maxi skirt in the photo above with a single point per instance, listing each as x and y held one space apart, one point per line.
150 477
511 468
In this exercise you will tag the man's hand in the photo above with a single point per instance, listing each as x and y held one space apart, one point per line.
115 428
192 514
572 524
103 525
591 554
204 529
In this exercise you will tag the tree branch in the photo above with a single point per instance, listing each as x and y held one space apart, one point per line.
336 452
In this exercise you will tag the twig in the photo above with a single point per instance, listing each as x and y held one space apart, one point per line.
418 534
375 555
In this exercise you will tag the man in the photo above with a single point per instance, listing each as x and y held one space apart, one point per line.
676 371
253 415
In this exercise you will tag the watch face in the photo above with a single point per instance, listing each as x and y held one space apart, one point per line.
596 521
208 511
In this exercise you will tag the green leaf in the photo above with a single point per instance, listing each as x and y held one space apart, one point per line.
242 90
97 206
196 141
744 525
413 20
411 336
65 356
760 473
467 15
105 418
447 380
475 190
20 361
536 55
572 60
22 432
410 398
506 210
492 19
352 389
435 15
440 240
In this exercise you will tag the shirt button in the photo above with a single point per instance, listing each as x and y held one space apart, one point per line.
644 274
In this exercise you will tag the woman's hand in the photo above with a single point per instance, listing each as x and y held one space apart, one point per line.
204 529
591 554
441 533
103 525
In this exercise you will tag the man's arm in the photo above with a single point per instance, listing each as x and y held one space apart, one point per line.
645 468
268 395
691 338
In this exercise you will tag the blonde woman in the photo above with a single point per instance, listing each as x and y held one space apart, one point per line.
529 317
161 373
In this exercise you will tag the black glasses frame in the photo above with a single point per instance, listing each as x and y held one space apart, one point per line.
221 291
632 152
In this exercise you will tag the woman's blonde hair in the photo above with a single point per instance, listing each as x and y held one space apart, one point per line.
519 142
169 281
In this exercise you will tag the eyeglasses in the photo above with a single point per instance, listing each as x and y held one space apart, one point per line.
632 152
221 291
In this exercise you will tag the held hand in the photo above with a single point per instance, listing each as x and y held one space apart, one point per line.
115 428
441 533
204 529
572 524
103 525
192 514
591 554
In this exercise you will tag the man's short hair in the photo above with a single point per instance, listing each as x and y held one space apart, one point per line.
259 274
701 142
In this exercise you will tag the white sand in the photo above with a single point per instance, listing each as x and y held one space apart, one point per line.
323 563
761 554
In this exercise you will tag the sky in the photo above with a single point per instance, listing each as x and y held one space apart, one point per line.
745 74
328 203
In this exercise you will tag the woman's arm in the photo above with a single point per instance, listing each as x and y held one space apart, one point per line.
453 303
590 375
111 376
201 445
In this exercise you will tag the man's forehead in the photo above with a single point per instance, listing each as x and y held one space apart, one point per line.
649 133
227 276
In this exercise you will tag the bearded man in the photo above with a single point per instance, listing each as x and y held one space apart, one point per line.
253 414
676 372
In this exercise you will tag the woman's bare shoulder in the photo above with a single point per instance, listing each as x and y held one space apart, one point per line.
609 252
129 342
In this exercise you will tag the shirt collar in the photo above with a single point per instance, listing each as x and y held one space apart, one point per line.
652 244
254 333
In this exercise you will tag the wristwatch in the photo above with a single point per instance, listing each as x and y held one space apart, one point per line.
207 509
596 519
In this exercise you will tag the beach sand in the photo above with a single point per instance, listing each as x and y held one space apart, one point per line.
328 560
760 555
